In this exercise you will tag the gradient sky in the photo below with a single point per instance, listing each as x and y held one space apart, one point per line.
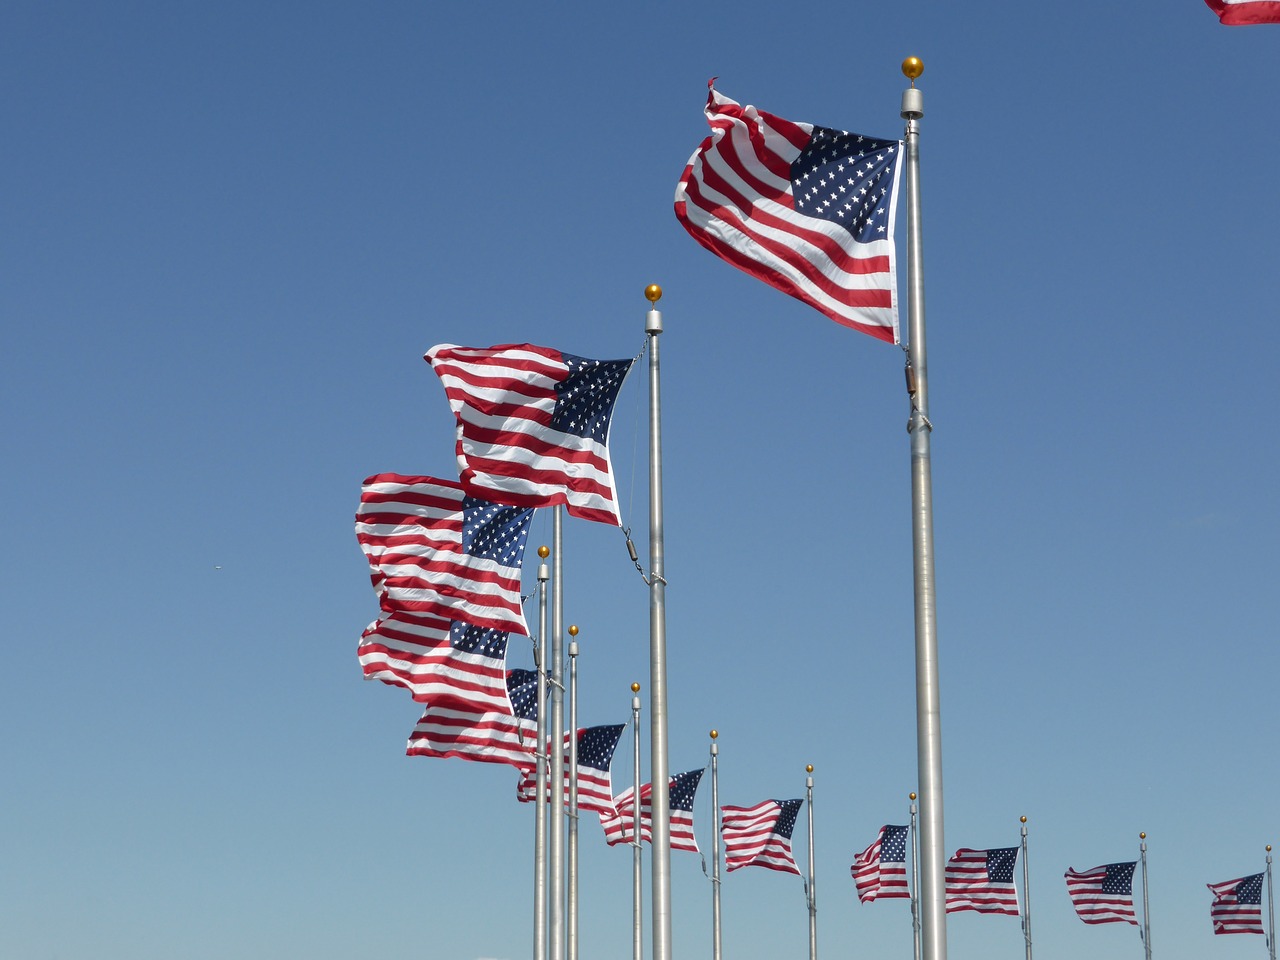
230 233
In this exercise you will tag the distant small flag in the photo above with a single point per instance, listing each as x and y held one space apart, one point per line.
434 551
982 880
533 425
760 836
806 209
453 728
1243 13
683 788
1103 894
1237 905
596 746
880 871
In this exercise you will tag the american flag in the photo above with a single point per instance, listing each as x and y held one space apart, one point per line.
437 659
533 425
1237 905
434 551
595 754
1240 13
880 871
760 836
807 209
1103 894
982 880
682 789
455 728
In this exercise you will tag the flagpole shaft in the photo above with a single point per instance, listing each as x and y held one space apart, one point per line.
1026 891
1146 905
928 701
540 796
813 894
637 864
660 851
571 893
715 848
915 885
555 878
1271 910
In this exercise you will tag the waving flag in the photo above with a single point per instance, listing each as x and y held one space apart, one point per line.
1241 13
434 551
760 836
1103 894
683 787
437 659
595 755
463 728
982 880
1237 905
806 209
880 871
533 425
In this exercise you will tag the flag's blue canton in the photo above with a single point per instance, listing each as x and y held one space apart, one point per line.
1000 863
787 818
468 638
846 178
1119 879
522 689
893 848
596 745
491 531
684 788
585 397
1249 890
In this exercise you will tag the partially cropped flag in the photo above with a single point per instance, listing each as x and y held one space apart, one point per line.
760 836
1237 905
595 755
982 880
682 789
807 209
434 551
507 734
880 871
1241 13
533 425
1103 894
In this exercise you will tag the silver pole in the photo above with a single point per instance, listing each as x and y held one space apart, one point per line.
811 892
540 796
637 866
1271 909
1146 903
715 846
555 879
571 893
915 885
1026 891
928 708
660 852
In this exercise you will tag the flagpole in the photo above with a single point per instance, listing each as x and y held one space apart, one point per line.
928 709
715 846
915 884
811 893
1271 909
571 891
660 851
555 878
1026 890
1146 903
637 866
540 795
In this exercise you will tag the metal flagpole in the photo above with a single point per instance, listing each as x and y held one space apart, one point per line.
1271 909
811 893
915 884
1026 890
715 847
571 889
555 878
660 801
928 710
540 796
1146 903
637 867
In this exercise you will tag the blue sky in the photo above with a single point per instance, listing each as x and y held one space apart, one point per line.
230 234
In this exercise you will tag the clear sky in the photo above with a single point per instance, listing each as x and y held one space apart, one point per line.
230 232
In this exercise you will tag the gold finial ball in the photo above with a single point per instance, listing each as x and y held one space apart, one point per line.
808 768
1022 819
912 67
573 629
911 796
653 293
1268 848
544 551
1142 836
635 688
714 734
